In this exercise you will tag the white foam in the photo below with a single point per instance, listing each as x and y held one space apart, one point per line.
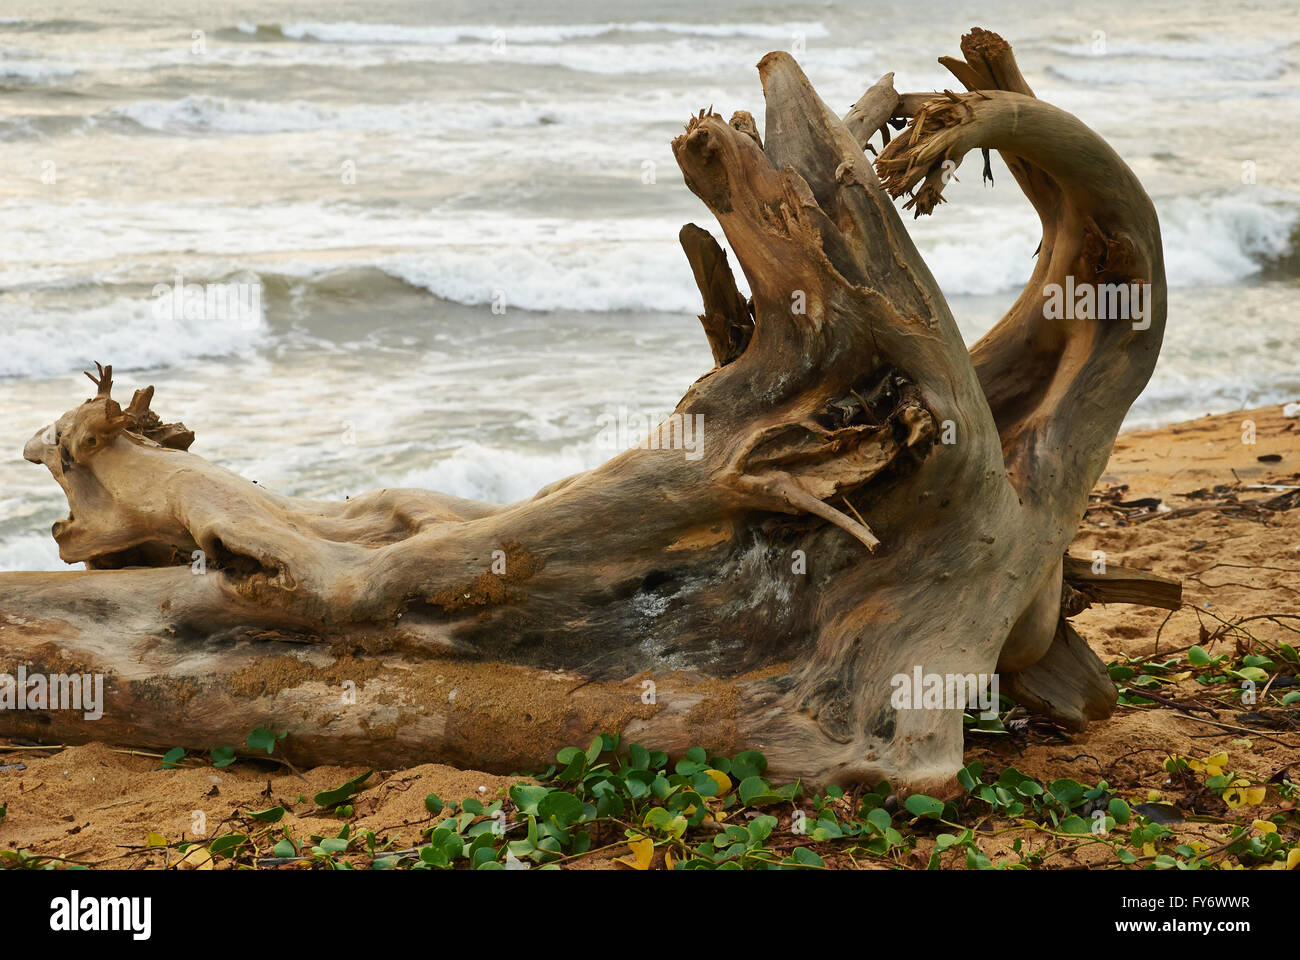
650 275
43 341
1221 238
694 52
1110 71
34 71
1202 48
352 32
199 113
1209 238
544 263
33 552
501 476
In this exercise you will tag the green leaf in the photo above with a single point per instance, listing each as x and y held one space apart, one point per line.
656 817
227 845
284 848
919 805
263 739
1068 793
269 815
805 856
704 785
760 828
564 808
330 798
526 797
791 791
1197 656
638 757
827 830
1253 674
749 763
1076 826
222 756
433 803
567 755
1119 810
171 757
754 792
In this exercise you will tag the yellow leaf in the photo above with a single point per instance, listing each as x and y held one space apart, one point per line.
722 780
1293 858
196 858
1149 849
1265 826
1153 796
669 860
643 849
1255 796
1220 759
1214 770
1181 676
155 840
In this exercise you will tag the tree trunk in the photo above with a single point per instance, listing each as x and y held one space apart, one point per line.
848 496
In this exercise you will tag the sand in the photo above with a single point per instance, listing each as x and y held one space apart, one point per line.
99 803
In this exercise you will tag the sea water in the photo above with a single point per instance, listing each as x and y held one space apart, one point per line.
460 218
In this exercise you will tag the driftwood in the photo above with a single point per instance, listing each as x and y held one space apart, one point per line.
870 498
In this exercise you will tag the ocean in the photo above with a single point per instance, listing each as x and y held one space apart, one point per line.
460 219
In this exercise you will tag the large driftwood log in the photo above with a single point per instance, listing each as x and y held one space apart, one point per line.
871 498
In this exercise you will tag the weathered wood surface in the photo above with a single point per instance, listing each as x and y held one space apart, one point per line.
870 497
